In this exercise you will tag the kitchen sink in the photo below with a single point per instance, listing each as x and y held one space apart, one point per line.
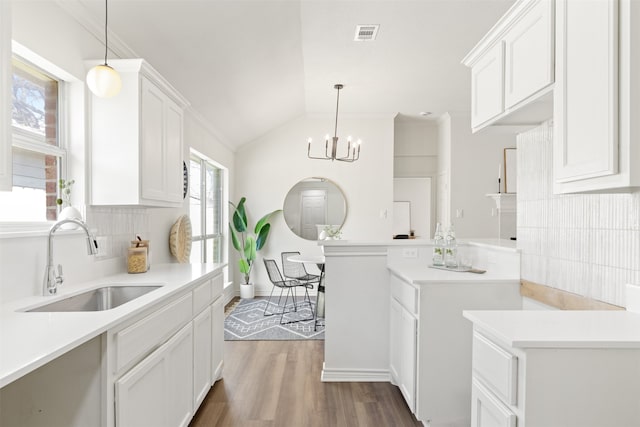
100 299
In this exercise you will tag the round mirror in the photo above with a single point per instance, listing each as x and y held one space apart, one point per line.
315 208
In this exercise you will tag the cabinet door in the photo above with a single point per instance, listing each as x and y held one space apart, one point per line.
408 329
586 91
487 410
487 86
217 339
6 177
403 352
180 386
173 150
152 149
201 355
158 390
395 318
529 50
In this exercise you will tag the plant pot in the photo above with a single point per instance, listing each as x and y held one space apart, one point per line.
69 212
247 291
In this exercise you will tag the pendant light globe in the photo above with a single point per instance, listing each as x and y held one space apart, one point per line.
104 81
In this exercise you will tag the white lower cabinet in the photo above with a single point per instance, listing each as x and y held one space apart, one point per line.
160 366
158 390
217 340
202 328
403 351
487 410
544 385
430 343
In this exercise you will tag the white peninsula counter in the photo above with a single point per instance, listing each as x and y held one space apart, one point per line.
392 318
555 368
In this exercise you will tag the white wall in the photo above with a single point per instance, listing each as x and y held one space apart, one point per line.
588 244
474 173
417 191
47 30
416 156
267 168
443 181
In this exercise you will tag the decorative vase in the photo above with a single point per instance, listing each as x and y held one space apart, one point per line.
247 291
69 212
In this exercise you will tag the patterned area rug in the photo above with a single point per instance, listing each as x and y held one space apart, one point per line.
248 322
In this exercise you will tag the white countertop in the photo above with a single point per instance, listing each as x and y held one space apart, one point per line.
30 340
505 244
560 329
421 275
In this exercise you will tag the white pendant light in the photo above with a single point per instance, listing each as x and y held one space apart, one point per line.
102 79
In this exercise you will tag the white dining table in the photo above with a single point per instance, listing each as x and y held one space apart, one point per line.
319 261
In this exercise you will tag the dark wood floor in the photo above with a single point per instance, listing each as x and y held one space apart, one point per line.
277 384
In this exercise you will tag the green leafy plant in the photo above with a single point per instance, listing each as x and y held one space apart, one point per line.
246 243
65 192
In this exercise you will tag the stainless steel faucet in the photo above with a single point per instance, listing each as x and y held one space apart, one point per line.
52 279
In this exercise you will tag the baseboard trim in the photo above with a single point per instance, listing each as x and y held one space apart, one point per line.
354 375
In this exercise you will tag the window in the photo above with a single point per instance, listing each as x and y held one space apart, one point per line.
37 155
206 197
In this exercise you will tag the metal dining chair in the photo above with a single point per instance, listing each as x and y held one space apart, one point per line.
287 286
297 271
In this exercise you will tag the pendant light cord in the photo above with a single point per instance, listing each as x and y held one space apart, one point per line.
106 44
335 130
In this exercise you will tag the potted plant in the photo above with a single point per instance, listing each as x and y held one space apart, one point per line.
246 243
64 201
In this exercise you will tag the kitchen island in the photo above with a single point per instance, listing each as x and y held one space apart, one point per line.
555 368
392 318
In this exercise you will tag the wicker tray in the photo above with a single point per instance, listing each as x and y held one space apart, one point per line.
180 239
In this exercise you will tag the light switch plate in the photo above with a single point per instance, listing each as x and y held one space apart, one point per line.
410 253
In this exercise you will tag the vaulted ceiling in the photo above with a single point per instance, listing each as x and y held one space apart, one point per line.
249 66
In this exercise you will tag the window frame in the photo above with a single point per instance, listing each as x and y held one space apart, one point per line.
24 139
204 236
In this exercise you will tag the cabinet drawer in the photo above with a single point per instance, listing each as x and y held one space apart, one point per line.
497 368
218 285
405 294
146 334
487 410
202 296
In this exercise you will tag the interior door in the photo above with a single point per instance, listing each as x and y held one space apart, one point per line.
314 211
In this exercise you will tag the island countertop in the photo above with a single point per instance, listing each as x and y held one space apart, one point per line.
561 328
29 340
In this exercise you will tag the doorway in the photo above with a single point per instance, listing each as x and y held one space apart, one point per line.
313 211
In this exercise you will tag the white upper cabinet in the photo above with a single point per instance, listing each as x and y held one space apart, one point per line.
136 140
512 68
6 176
596 98
529 52
487 77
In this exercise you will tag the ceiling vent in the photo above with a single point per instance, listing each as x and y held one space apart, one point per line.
366 33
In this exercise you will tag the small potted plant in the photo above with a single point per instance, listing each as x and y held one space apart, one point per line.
247 244
64 201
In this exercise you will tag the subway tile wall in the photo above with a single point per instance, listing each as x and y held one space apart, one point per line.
588 244
116 228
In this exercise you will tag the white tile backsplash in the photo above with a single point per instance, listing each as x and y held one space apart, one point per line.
588 244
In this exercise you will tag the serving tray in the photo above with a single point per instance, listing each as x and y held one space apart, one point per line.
459 269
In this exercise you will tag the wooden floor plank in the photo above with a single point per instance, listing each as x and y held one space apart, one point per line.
277 384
